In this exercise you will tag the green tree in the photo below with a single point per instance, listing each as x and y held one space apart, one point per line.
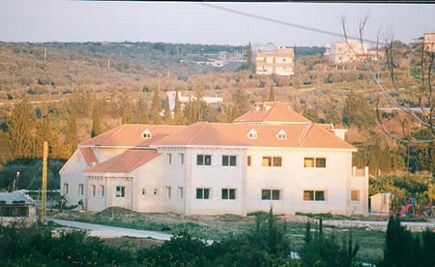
71 139
168 113
156 107
127 110
357 111
142 109
20 125
97 127
177 109
249 63
271 93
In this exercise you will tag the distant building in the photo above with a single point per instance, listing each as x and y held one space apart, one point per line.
185 99
17 207
280 61
381 203
429 42
347 52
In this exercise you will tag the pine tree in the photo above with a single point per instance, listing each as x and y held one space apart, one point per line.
20 126
271 93
155 107
71 139
96 120
127 110
177 110
249 57
143 115
168 113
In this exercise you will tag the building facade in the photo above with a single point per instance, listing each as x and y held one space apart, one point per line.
268 157
279 62
429 42
346 52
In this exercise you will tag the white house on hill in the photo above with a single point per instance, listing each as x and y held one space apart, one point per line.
268 157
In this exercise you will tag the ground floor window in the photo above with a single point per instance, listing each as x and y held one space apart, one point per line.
168 192
65 188
81 189
180 193
270 194
202 193
14 211
354 195
314 195
228 193
120 191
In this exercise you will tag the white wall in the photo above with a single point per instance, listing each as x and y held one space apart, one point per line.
72 174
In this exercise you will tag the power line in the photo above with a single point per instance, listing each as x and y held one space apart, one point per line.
285 23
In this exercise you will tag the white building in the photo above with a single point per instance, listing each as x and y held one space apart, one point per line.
346 52
268 157
279 62
185 99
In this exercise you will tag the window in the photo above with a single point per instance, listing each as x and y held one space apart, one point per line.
202 193
169 155
156 192
168 192
281 135
143 191
81 189
181 157
180 193
312 195
65 189
354 195
272 161
94 190
252 134
146 134
101 190
120 191
229 161
228 193
248 161
315 162
203 160
269 194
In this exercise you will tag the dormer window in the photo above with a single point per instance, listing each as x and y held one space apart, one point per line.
281 135
252 134
146 134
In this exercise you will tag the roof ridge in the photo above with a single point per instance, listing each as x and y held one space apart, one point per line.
117 130
332 134
197 132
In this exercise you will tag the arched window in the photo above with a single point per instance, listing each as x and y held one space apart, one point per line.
146 134
281 135
252 134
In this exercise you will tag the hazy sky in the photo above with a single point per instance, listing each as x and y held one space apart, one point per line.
57 20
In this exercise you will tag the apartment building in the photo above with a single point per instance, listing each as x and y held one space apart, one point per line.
269 157
279 61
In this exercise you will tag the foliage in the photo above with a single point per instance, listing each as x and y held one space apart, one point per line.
30 173
357 111
97 127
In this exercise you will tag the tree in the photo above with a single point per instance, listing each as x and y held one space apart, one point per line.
357 111
249 64
271 93
156 106
127 109
20 126
142 109
177 109
71 139
96 120
168 113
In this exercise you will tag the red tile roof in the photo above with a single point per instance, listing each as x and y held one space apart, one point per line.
88 155
126 162
272 112
130 135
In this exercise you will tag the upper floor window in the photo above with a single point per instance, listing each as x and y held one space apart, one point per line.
252 134
315 162
169 155
272 161
281 135
146 134
203 160
314 195
202 193
249 161
229 160
120 191
94 190
101 190
181 157
270 194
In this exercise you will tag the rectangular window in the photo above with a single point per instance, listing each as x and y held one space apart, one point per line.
181 157
228 193
203 160
248 161
169 155
272 161
101 190
65 189
354 195
270 194
229 161
168 192
180 193
94 190
202 193
313 195
81 189
120 191
315 162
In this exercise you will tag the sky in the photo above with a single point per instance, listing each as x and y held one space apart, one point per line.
189 22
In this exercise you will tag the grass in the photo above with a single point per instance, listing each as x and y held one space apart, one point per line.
220 227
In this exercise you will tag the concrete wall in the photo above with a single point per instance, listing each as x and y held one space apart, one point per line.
72 174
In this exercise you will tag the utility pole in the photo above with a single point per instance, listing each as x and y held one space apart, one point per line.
44 184
45 54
